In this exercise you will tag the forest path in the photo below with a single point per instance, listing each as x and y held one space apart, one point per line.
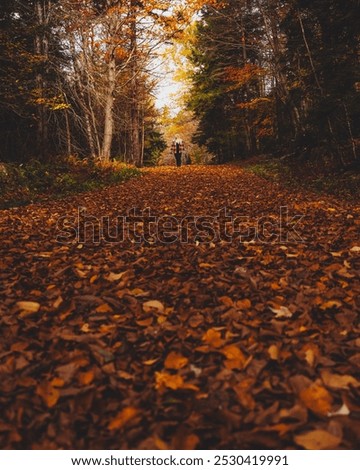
214 343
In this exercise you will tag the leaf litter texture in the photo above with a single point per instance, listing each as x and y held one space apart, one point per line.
207 345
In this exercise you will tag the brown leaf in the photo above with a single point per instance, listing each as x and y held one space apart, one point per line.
337 381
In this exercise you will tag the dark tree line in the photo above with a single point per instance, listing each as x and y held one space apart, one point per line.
278 76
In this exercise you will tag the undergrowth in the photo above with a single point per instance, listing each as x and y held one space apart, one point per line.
33 181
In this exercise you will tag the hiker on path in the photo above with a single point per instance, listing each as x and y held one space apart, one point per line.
177 149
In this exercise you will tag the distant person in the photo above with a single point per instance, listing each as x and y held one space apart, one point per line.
177 149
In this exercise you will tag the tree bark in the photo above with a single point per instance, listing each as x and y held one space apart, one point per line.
109 110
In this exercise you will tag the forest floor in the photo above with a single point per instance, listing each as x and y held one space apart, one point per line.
211 336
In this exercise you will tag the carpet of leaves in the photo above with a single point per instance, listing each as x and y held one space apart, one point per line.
207 345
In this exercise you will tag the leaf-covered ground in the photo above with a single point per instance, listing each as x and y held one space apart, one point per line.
210 344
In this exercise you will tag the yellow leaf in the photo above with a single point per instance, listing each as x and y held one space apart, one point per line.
175 361
317 399
213 338
317 440
123 418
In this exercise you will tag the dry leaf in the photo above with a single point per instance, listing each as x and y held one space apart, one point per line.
151 305
85 378
281 312
235 357
213 338
123 418
28 307
48 393
337 381
317 440
317 399
175 361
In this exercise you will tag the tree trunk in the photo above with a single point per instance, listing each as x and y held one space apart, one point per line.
136 154
109 110
42 51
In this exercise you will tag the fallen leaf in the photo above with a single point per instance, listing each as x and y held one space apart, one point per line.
174 382
281 312
85 378
317 399
28 307
175 361
317 440
342 411
48 393
213 337
235 357
153 305
274 352
337 381
123 418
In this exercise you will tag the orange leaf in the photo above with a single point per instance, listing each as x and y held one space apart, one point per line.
317 440
213 337
104 308
85 378
122 418
175 361
243 304
174 382
48 393
235 357
317 399
163 379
